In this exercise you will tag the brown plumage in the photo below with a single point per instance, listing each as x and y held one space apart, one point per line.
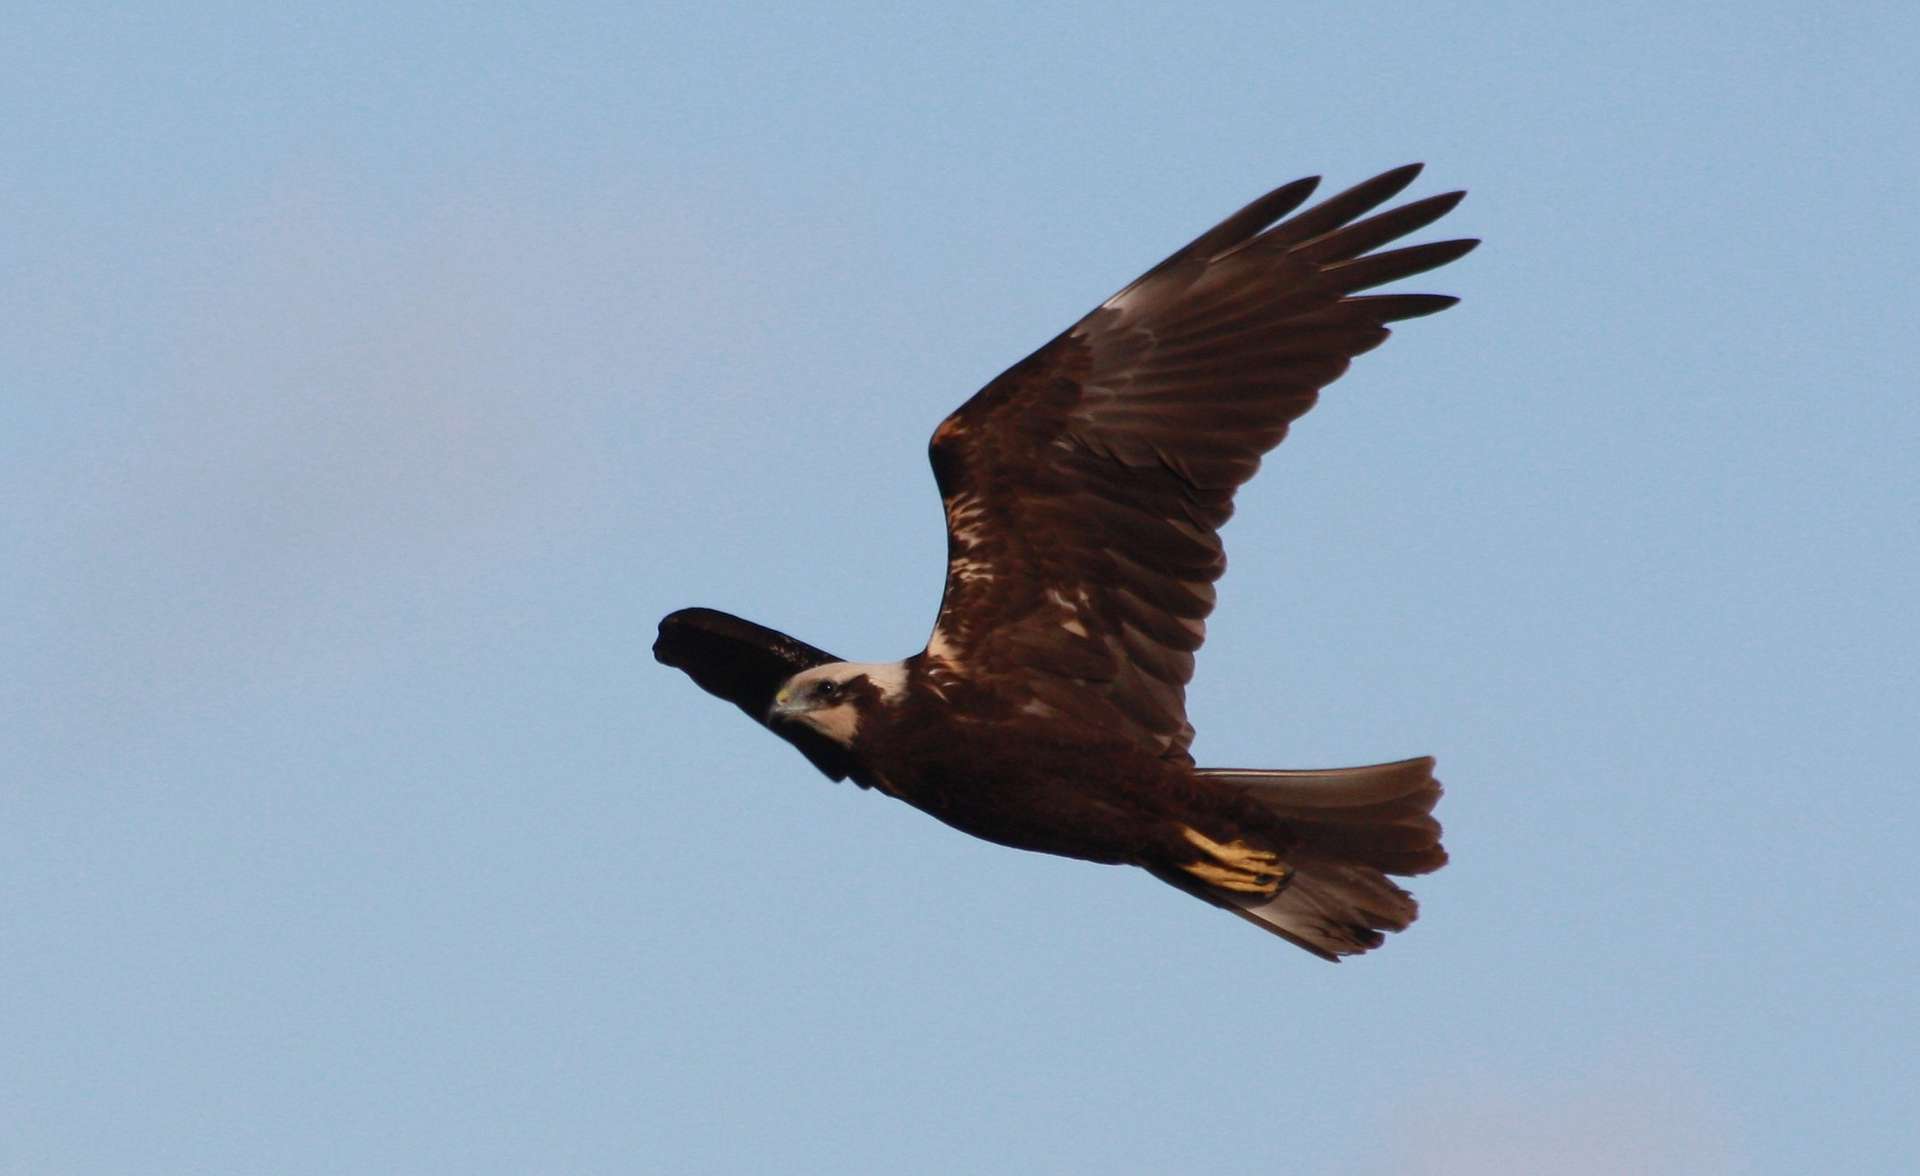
1084 491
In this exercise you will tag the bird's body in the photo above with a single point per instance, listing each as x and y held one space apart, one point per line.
1084 490
1024 781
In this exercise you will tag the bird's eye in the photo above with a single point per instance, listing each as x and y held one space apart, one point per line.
828 690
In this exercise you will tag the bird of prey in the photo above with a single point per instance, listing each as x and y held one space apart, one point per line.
1085 489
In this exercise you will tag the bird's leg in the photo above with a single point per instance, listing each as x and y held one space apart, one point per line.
1236 865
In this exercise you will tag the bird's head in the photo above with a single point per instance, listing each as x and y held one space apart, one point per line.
774 679
834 698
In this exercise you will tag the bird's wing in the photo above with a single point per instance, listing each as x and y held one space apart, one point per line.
1085 487
745 664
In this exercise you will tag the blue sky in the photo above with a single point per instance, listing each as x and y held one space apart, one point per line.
374 381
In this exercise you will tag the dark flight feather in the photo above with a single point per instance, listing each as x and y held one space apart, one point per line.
1084 487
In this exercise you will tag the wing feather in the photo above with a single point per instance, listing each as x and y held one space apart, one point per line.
1085 487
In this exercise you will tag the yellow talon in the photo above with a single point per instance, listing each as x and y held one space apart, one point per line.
1236 865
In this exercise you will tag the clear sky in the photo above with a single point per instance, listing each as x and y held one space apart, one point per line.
371 382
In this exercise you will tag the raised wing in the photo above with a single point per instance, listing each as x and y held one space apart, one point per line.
1085 487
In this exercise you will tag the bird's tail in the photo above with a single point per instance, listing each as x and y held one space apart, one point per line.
1350 828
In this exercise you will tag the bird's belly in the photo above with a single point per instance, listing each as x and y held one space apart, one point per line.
1086 805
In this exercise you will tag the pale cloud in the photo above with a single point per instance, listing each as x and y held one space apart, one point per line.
1649 1119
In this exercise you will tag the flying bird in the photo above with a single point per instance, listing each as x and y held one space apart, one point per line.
1085 489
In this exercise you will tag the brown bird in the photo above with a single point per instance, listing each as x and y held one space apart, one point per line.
1084 491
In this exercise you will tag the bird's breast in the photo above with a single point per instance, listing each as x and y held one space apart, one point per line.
1026 786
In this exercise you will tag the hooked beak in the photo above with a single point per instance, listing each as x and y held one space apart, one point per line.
783 707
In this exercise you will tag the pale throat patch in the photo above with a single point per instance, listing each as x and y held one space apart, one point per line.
840 723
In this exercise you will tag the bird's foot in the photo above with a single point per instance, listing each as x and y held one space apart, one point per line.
1235 865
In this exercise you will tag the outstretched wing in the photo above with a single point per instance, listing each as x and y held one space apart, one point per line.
1085 487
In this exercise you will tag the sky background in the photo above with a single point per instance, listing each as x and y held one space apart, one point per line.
371 382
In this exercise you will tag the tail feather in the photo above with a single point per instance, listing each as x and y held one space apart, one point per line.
1350 827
